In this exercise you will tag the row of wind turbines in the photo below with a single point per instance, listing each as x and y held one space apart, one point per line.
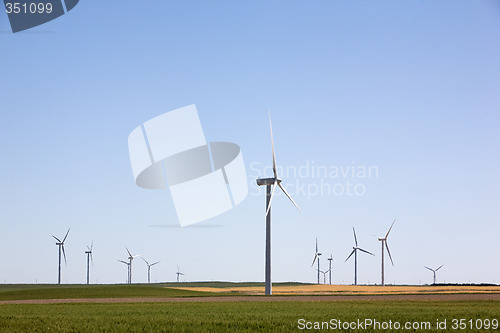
355 250
88 252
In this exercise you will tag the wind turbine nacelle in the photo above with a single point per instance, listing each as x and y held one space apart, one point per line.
381 239
267 181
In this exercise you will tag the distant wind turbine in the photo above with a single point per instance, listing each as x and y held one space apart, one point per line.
324 276
355 252
149 268
178 273
61 247
434 271
384 242
330 266
130 258
89 257
128 269
271 182
316 256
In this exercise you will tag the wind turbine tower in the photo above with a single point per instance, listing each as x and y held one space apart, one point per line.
89 257
130 258
330 266
316 256
384 242
178 273
61 248
149 268
434 271
128 269
271 184
355 252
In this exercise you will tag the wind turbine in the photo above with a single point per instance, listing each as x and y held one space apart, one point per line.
130 258
316 256
128 269
324 276
61 247
149 268
434 271
178 273
330 266
384 242
271 182
89 256
355 252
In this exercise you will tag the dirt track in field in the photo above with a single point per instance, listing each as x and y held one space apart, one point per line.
433 297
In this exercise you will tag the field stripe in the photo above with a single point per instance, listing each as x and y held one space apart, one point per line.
435 297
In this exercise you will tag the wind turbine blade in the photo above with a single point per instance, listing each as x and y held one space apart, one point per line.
126 263
271 199
365 251
64 253
390 229
350 254
91 246
272 145
130 254
88 248
155 263
288 195
315 256
177 268
439 268
355 238
429 268
389 252
57 239
147 263
67 232
91 259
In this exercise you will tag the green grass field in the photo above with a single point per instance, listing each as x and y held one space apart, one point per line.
53 291
22 292
229 316
279 316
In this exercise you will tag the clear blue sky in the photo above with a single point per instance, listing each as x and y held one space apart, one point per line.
411 87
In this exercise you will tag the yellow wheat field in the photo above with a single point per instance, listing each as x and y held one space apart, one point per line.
351 290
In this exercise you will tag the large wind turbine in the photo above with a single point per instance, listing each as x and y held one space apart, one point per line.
355 252
330 266
128 269
316 256
149 268
178 273
271 182
384 242
130 258
434 271
89 257
61 247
